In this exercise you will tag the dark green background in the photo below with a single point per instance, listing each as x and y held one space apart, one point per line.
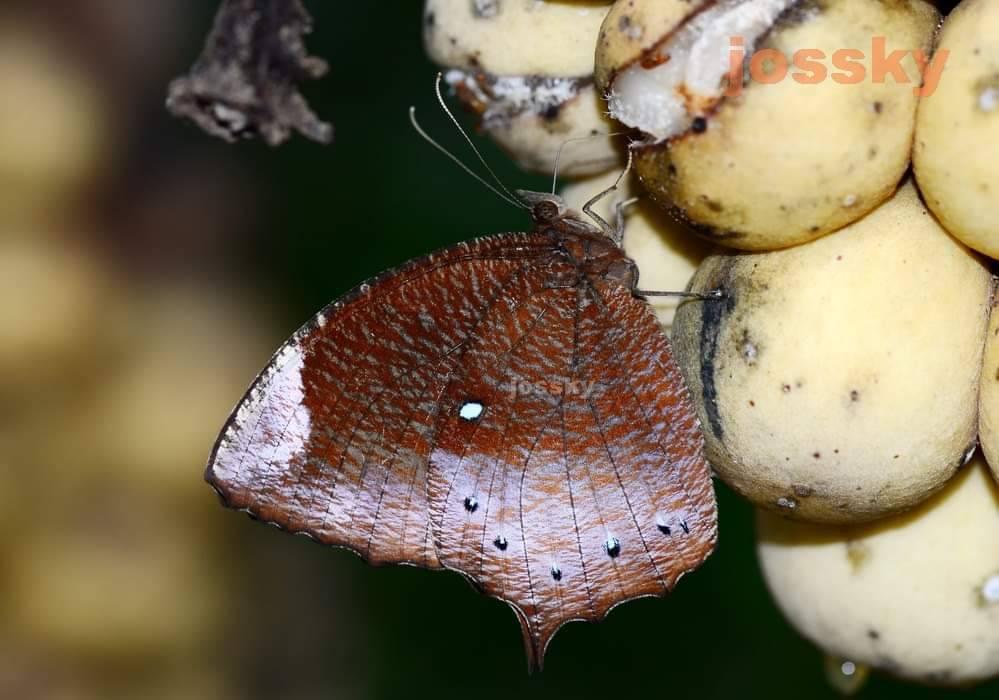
334 216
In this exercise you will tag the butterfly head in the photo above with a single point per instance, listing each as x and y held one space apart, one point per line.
546 209
550 211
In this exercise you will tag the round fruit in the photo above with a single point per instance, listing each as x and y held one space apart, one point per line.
958 128
916 595
768 123
838 381
525 69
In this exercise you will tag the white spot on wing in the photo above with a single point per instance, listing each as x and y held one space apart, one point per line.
471 410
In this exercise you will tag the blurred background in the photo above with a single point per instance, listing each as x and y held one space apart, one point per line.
147 272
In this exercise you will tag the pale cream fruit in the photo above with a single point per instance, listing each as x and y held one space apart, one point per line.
838 381
526 70
916 595
531 119
958 128
543 38
988 419
805 140
53 131
667 253
52 302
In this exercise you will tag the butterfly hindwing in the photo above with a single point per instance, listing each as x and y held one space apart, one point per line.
587 478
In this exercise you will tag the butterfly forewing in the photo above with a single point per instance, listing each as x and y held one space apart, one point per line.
584 466
332 440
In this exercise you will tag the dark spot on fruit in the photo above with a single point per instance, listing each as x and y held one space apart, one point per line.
858 554
713 205
854 396
654 60
874 634
817 455
878 107
803 491
713 317
799 13
485 9
786 388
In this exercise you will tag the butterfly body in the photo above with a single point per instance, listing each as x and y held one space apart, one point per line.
506 408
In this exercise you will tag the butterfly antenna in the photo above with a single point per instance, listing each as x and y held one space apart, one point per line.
429 139
558 155
468 140
713 295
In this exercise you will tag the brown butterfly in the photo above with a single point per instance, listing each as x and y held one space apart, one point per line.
507 408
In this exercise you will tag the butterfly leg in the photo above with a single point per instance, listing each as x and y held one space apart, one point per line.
619 219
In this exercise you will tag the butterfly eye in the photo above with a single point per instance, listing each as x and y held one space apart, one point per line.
556 573
545 211
613 547
471 504
471 410
501 543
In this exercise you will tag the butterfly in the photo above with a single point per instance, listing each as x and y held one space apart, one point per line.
507 408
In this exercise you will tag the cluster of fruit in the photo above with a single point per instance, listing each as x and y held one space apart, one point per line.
831 165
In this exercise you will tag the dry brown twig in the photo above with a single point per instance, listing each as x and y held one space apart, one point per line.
245 83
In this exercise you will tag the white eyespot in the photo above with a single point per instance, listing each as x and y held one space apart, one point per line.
471 410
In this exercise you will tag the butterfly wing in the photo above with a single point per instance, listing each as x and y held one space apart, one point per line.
585 464
333 437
